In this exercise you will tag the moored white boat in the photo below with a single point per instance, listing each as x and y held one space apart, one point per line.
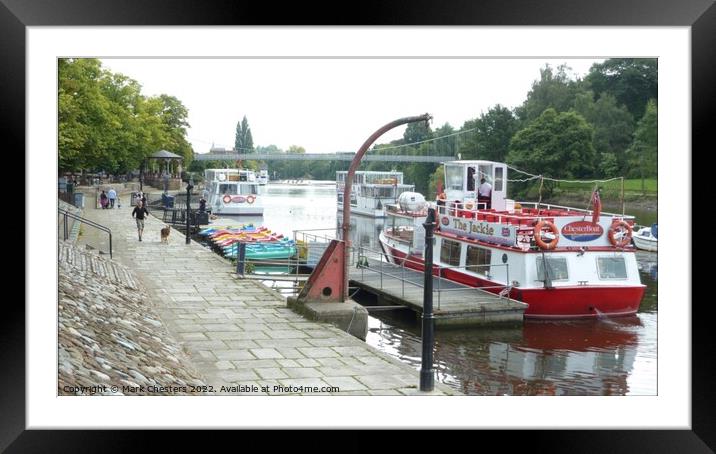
233 192
645 238
563 262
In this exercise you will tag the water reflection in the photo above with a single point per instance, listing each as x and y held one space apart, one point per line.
364 230
592 357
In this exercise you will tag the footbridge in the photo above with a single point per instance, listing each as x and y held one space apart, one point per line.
318 157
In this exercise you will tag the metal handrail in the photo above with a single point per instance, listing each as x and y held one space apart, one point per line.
361 250
67 214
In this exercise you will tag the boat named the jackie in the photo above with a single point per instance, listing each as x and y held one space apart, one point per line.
563 262
233 192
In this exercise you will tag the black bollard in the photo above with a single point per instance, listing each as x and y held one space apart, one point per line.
241 258
427 373
189 187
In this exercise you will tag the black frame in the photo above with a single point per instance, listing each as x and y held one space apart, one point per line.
15 15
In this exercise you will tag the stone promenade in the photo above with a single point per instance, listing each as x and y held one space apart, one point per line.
239 332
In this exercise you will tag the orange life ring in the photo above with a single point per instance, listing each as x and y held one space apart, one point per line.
538 235
250 199
625 240
227 198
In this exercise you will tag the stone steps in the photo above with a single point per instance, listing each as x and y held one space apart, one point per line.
90 260
74 225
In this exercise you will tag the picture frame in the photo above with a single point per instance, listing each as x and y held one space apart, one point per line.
15 16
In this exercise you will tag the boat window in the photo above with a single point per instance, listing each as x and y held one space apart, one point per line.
453 177
470 178
557 268
384 192
450 253
611 268
498 179
477 258
248 189
485 171
227 189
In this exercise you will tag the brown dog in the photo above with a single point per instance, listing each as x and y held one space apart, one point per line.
165 234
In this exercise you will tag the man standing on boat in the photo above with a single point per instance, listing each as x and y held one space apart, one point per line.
484 193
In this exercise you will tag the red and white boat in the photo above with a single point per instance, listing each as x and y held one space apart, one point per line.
563 262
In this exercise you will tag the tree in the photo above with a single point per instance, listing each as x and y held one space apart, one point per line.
632 81
417 132
443 146
613 130
491 139
244 142
556 145
643 152
553 90
437 177
174 119
106 124
82 113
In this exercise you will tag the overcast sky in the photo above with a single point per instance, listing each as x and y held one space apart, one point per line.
328 105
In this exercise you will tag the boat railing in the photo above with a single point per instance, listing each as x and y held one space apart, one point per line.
406 266
470 211
549 206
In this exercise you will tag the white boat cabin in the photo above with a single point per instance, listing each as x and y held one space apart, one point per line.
371 191
463 179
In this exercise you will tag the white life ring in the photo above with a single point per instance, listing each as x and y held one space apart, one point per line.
227 199
221 177
250 199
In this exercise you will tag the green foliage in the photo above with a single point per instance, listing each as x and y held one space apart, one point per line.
417 132
556 145
106 124
608 165
613 129
244 142
437 177
554 90
491 139
644 150
632 81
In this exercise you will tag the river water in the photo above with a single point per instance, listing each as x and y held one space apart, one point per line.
594 357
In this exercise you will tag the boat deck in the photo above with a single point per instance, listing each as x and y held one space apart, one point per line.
454 304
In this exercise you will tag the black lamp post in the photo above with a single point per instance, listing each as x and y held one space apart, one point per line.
189 187
427 373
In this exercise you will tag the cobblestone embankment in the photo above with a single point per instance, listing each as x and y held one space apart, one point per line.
109 334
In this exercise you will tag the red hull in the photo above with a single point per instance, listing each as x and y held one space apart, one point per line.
561 302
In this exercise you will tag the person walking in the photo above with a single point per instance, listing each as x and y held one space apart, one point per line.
112 194
103 200
138 214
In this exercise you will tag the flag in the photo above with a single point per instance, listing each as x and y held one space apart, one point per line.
596 206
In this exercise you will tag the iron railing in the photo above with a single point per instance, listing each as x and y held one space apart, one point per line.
388 271
66 214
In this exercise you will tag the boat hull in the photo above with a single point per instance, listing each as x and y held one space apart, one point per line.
645 244
370 212
239 211
588 301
